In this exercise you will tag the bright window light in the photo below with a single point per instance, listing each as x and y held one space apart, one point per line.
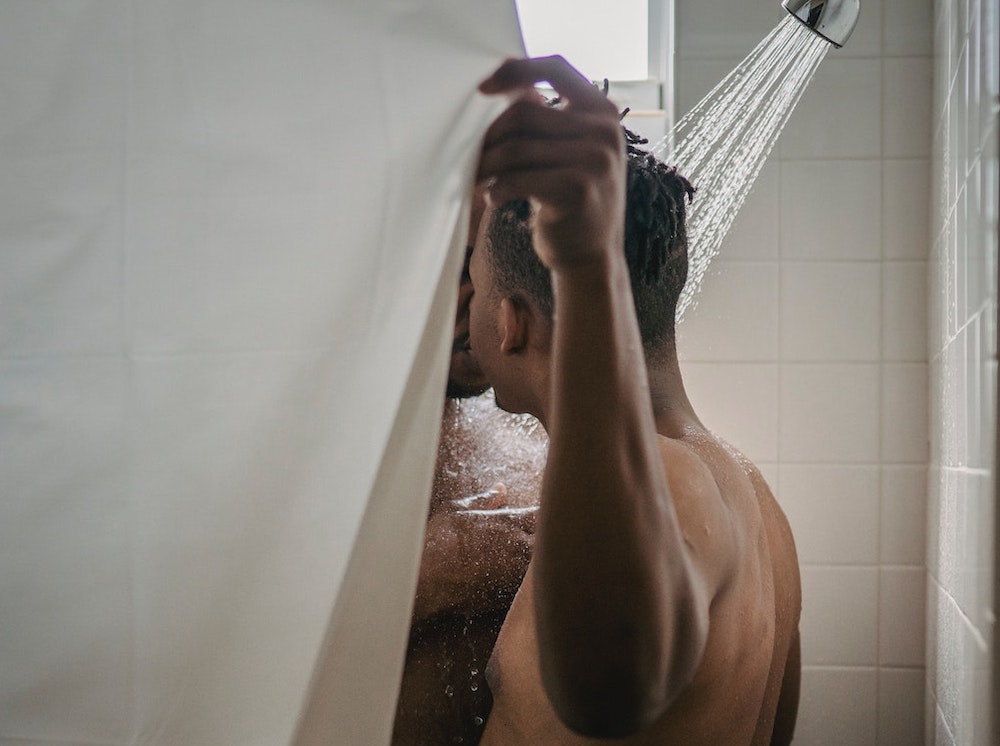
601 38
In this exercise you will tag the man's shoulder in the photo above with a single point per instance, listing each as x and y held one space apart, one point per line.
722 501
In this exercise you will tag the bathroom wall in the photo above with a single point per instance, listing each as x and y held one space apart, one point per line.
963 372
808 349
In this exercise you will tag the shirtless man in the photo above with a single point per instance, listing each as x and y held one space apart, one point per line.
662 603
477 546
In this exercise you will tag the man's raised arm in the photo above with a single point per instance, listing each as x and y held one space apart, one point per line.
622 615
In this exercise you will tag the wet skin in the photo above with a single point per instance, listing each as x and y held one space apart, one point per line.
477 545
663 598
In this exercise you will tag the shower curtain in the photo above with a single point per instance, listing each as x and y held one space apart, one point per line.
230 232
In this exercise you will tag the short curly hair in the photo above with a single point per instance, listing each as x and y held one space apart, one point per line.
656 249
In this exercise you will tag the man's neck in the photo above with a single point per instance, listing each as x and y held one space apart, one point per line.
672 409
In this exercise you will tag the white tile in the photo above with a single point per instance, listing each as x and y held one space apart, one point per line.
830 311
702 31
734 316
901 707
985 456
696 78
839 114
979 279
907 106
950 529
952 400
838 707
985 549
950 654
903 518
904 413
754 233
931 634
831 210
930 712
978 421
977 547
968 536
829 413
904 311
839 615
974 93
905 200
909 27
974 695
942 734
977 681
866 41
833 511
937 322
935 500
902 603
739 402
769 471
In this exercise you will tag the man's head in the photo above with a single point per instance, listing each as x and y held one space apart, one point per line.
465 378
508 270
655 247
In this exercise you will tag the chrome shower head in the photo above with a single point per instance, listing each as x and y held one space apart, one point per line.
834 20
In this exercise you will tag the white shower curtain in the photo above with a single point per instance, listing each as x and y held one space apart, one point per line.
229 238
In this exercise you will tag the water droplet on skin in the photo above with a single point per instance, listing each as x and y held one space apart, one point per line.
478 720
449 691
474 686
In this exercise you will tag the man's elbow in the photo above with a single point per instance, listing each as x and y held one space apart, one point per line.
615 710
623 702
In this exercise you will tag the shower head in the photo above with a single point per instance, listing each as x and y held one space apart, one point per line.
834 20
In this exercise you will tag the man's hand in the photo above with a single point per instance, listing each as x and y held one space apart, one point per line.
567 160
476 552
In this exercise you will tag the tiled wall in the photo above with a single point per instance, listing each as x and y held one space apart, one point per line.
808 349
963 367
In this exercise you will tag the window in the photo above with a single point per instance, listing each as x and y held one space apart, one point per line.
602 38
630 42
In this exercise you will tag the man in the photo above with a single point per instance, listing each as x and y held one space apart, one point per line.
477 546
662 602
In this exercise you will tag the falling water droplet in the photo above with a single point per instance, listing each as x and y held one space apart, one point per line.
474 686
449 691
478 720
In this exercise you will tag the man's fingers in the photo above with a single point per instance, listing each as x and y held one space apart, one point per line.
525 118
567 185
568 82
526 151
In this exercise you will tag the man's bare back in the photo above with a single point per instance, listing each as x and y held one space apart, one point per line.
734 694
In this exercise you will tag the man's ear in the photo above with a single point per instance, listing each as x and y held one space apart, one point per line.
515 324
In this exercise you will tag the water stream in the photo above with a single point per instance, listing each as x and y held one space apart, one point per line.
722 143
